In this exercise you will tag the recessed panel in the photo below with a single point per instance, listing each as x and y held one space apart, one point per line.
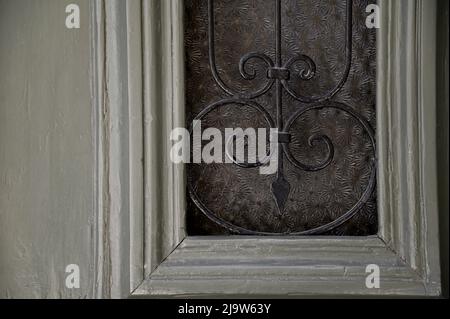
302 75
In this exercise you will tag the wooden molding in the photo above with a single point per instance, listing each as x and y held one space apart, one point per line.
142 245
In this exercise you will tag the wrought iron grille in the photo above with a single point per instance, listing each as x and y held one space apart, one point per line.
326 178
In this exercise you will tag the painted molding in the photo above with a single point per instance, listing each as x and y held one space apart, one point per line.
143 250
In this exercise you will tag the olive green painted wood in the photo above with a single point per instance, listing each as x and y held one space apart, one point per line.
47 201
406 248
87 179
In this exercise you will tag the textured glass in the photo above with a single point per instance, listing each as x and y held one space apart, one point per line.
242 196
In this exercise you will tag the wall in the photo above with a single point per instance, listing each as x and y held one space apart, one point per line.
46 150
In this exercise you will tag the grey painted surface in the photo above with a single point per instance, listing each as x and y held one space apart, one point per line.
408 241
46 150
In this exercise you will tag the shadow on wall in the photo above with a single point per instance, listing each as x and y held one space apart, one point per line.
442 137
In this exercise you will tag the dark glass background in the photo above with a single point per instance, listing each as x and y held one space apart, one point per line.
317 29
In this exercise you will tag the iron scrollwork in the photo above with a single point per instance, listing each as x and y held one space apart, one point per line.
278 73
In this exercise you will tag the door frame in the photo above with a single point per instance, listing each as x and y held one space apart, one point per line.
141 247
